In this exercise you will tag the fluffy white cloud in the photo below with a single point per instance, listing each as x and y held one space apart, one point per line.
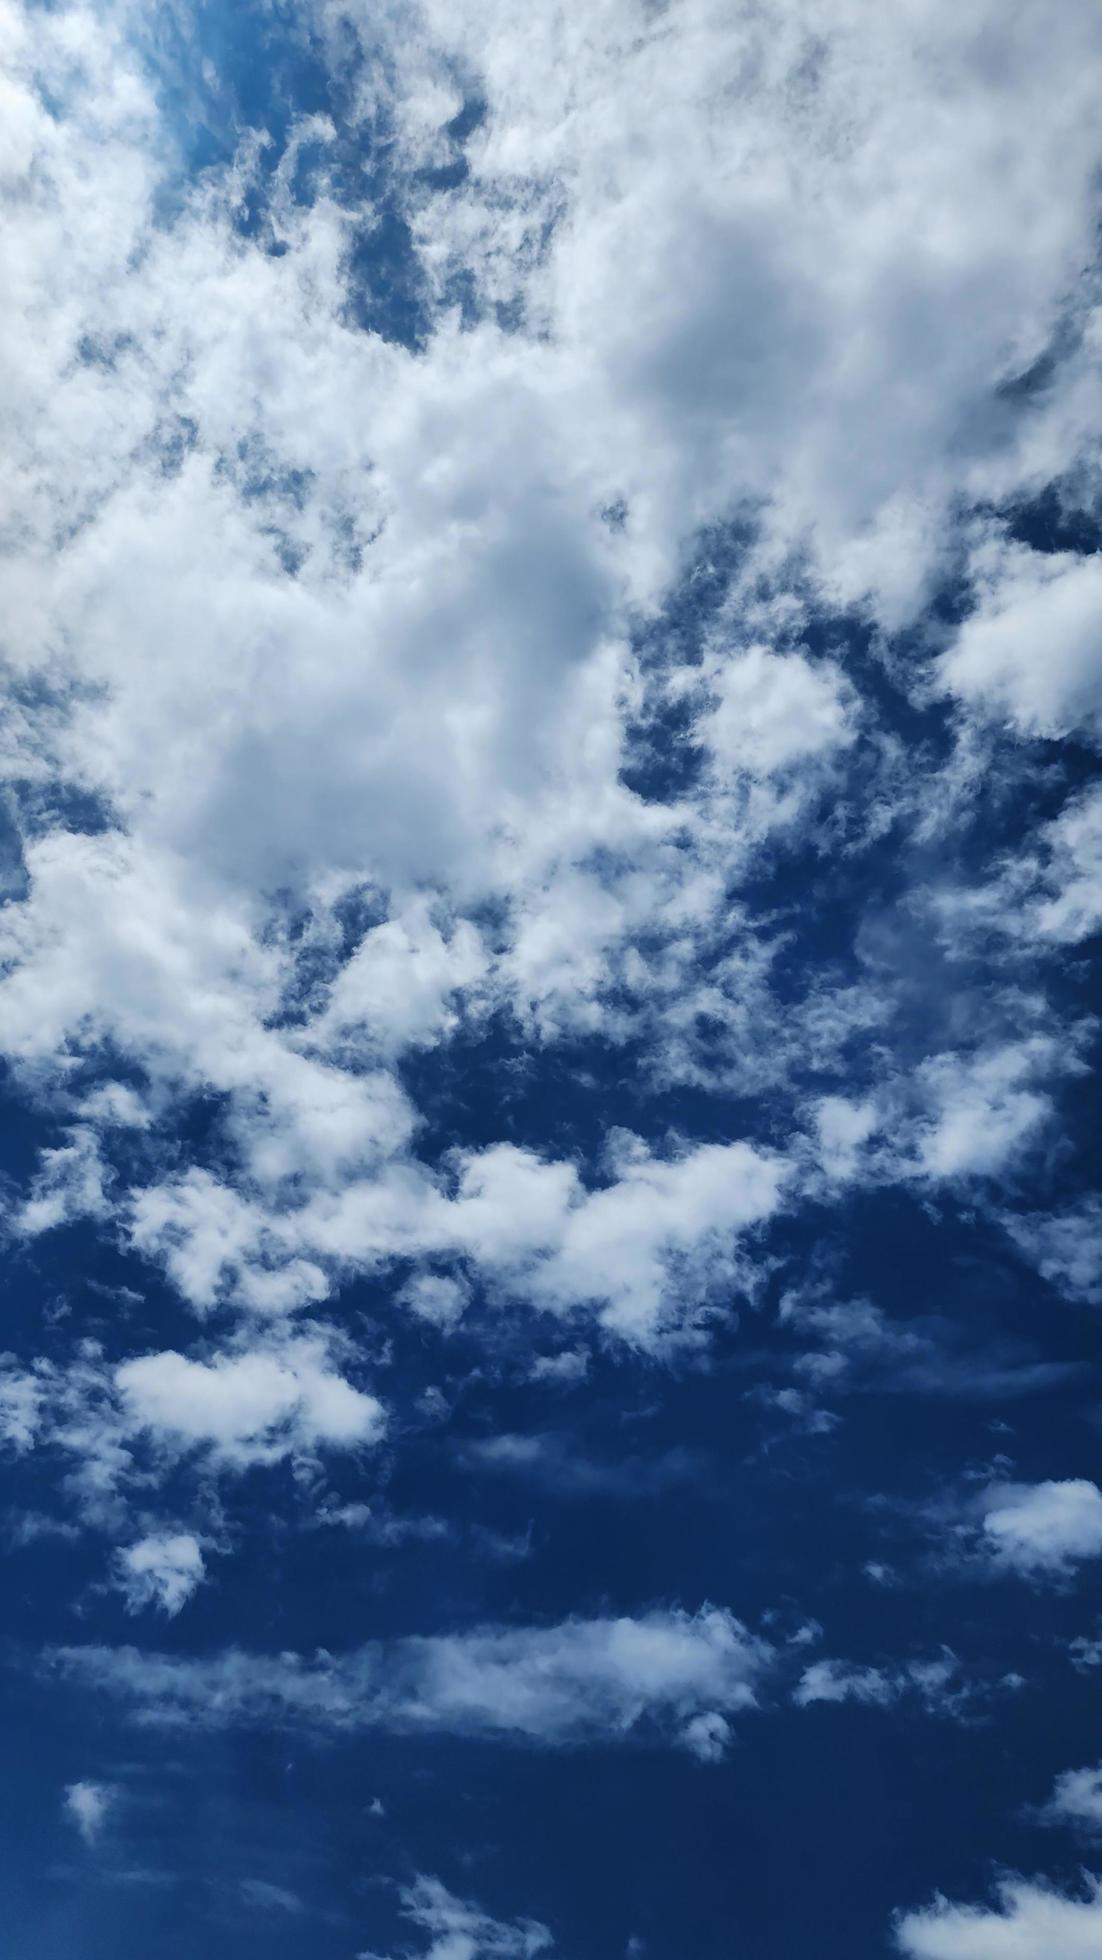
88 1806
249 1407
1031 1922
327 622
645 1251
1044 1528
1033 649
985 1109
583 1680
774 711
120 1427
161 1570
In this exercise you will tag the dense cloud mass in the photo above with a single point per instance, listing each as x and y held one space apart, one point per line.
550 880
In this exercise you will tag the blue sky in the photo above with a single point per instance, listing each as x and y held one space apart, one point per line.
551 871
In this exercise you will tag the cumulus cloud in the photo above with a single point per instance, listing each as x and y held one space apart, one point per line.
1044 1529
774 711
669 1673
1031 1922
644 1251
338 634
161 1570
463 699
125 1425
1032 650
254 1405
88 1806
984 1110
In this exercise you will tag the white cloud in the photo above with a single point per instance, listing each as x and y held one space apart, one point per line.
249 1407
985 1109
400 983
436 1297
935 1683
1077 1799
1031 1922
1033 649
1065 1247
645 1251
782 268
123 1426
161 1570
68 1185
579 1681
774 711
88 1806
843 1128
1044 1528
1071 907
458 1930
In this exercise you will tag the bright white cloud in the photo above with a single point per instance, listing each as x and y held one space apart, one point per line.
1033 649
1044 1528
1031 1922
161 1570
774 711
984 1109
88 1806
253 1406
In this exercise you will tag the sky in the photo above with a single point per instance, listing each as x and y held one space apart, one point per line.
550 887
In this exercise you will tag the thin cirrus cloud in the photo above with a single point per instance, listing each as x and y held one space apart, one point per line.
680 1675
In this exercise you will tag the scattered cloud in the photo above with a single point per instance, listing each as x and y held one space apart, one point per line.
458 1930
1030 1922
161 1570
580 1681
88 1806
1043 1529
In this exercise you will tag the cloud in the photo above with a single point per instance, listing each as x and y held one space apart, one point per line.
1077 1800
863 1349
666 1673
88 1806
774 711
935 1683
1031 1922
985 1110
458 1930
647 1252
1043 1529
70 1184
122 1427
161 1570
253 1406
1065 1247
1031 650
